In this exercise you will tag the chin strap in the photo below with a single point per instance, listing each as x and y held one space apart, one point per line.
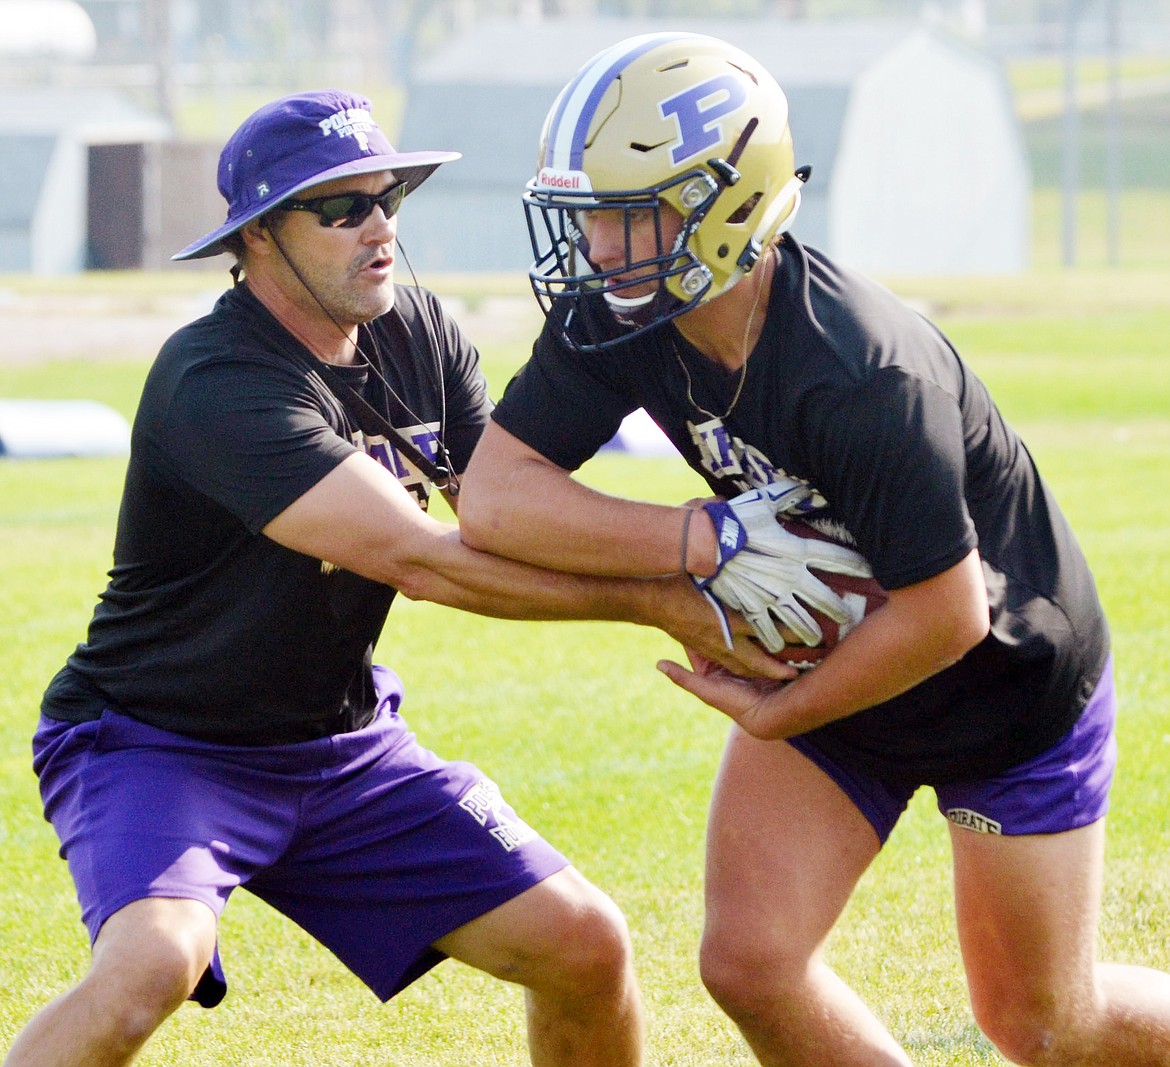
752 251
790 191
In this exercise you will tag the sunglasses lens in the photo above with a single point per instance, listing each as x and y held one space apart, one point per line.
348 210
392 200
352 209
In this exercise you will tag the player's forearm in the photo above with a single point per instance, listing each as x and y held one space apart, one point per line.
877 663
517 504
920 631
550 520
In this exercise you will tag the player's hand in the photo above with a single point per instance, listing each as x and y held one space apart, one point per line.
765 572
745 700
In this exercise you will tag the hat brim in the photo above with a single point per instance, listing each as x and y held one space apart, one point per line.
411 167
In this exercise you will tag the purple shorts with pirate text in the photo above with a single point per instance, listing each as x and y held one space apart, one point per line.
371 843
1064 788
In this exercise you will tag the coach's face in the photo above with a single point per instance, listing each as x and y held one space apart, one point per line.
343 263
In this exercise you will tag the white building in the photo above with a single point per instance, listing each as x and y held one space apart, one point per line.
919 165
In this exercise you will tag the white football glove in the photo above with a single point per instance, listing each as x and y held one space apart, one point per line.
764 572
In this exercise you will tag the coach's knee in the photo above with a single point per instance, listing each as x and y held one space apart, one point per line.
597 949
591 944
147 960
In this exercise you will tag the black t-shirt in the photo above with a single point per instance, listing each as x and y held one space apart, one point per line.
854 393
207 627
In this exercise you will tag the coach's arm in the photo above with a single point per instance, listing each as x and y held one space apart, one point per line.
359 517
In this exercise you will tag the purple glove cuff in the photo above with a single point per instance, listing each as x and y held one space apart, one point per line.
731 536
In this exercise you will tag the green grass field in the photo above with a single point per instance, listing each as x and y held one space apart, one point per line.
595 748
599 751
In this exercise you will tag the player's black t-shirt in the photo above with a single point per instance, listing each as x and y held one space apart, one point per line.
854 393
207 627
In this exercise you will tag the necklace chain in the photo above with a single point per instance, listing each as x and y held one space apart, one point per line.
743 367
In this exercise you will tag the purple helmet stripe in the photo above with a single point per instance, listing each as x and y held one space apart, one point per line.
578 103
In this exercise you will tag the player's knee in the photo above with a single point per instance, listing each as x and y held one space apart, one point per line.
1021 1042
726 976
1028 1034
746 976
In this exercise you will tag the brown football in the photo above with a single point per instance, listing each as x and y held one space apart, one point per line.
861 595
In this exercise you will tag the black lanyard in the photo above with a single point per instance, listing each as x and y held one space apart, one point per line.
369 420
374 424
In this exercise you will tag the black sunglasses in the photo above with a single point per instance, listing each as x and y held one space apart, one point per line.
349 209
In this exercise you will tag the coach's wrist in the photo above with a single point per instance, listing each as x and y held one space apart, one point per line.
656 601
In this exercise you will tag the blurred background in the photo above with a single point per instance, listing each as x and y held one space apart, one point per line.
951 137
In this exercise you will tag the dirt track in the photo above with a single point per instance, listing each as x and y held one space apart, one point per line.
46 326
39 327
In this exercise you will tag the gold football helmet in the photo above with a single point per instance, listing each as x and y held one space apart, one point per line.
674 120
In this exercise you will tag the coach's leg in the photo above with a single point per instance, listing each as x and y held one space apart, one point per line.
567 943
1027 912
147 959
785 850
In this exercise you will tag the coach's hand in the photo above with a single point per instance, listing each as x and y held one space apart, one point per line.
724 638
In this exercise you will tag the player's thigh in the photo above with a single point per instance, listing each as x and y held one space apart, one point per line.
1028 894
1026 908
551 933
785 848
154 949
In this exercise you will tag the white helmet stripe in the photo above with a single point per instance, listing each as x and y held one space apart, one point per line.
578 103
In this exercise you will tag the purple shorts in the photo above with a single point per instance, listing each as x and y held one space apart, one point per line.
372 844
1062 789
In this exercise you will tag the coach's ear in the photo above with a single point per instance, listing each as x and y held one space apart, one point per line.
257 236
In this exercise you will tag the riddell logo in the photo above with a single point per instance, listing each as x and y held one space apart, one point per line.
563 179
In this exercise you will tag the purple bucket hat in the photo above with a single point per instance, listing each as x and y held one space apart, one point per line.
299 141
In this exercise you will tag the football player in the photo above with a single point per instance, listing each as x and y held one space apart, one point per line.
659 219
